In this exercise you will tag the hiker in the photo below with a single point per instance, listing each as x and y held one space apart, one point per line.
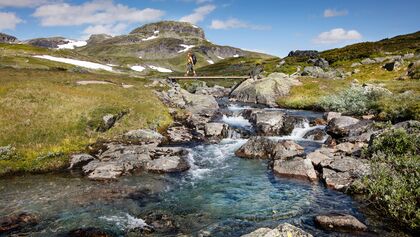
191 61
256 71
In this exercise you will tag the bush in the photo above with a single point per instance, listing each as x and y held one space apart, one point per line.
394 184
398 108
355 100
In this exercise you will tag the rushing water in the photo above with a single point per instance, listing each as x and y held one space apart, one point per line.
221 193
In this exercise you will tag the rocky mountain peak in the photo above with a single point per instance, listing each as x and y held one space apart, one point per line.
170 29
5 38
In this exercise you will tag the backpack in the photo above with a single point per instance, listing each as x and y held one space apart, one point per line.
194 59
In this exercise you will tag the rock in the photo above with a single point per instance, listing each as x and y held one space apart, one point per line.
145 136
339 127
256 148
317 157
368 61
336 180
264 91
330 115
79 160
266 122
51 42
317 134
319 121
313 71
345 147
215 129
103 171
304 53
216 91
290 123
380 59
286 149
15 222
355 71
337 222
170 29
7 152
408 56
168 164
411 126
89 232
162 222
391 66
5 38
296 168
179 134
356 64
283 230
322 63
109 120
414 70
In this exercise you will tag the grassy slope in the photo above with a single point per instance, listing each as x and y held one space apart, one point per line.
46 116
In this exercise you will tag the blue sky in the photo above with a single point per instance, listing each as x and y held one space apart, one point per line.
271 26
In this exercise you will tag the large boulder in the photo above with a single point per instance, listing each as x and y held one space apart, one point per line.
339 127
394 65
179 134
145 136
266 122
414 70
317 134
215 129
283 230
337 222
256 148
296 168
79 160
286 149
264 91
304 53
168 164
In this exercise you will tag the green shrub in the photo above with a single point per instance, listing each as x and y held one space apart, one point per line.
401 107
394 183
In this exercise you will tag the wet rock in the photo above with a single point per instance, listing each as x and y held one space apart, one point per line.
168 164
319 121
286 149
15 222
337 222
290 123
339 127
145 136
79 160
283 230
179 134
317 134
256 148
267 122
264 91
89 232
328 116
296 168
162 222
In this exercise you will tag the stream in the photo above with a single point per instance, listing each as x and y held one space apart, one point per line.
221 194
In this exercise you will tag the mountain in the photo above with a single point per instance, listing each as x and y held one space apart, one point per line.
5 38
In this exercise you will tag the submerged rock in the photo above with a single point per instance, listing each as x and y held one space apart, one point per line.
337 222
297 167
264 91
256 148
15 222
283 230
89 232
317 134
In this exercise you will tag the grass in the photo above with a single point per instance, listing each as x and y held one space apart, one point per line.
46 116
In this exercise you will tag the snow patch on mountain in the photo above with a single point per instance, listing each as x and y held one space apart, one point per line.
75 62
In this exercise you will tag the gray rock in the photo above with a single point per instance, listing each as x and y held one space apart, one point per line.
368 61
414 70
317 134
356 64
143 136
304 53
317 157
283 230
107 122
286 149
290 123
313 71
267 122
345 147
339 127
296 167
264 91
105 171
336 180
215 129
355 71
256 148
322 63
380 59
340 222
391 66
408 56
51 42
179 134
168 164
215 91
79 160
328 116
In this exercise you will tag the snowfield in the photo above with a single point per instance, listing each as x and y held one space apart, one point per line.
75 62
150 38
186 48
159 69
137 68
220 57
72 44
236 55
210 61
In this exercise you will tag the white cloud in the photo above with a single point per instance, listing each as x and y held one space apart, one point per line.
233 23
94 12
110 29
334 13
199 14
22 3
337 35
9 20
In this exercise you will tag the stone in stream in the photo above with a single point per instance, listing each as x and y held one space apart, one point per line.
330 115
290 123
89 232
256 148
215 129
162 222
168 164
283 230
286 149
79 160
16 222
264 91
337 222
296 167
340 127
317 134
266 122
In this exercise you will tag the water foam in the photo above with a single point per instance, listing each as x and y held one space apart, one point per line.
127 222
236 121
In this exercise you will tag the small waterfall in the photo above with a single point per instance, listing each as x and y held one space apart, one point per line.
300 129
236 121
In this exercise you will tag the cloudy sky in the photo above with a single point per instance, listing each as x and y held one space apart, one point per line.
271 26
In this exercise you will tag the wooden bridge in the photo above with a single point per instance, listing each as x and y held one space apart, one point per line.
207 77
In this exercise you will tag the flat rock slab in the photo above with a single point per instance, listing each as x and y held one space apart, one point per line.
295 168
168 164
337 222
283 230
